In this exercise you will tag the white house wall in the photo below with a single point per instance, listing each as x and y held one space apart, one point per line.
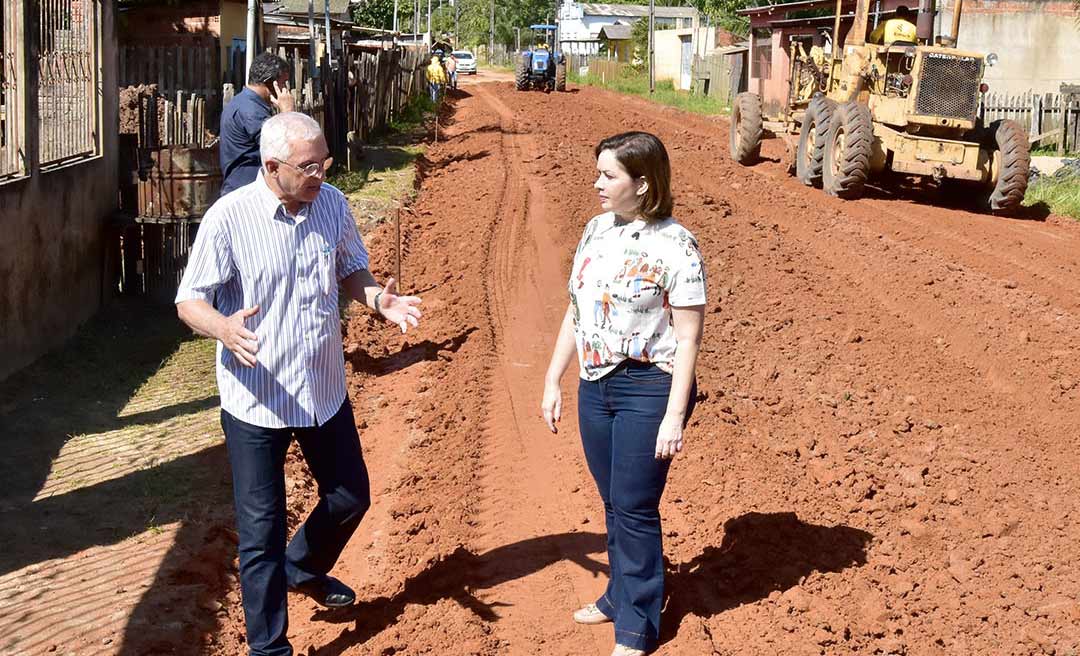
580 33
1036 42
669 51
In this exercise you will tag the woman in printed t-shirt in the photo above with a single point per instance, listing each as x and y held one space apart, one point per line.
637 301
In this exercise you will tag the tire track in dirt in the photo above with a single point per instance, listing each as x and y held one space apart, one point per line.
532 474
811 304
876 465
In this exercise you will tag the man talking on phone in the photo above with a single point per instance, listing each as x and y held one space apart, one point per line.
241 120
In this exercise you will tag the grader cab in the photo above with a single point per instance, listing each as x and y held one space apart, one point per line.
849 109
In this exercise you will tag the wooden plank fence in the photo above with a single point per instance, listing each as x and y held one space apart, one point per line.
606 69
352 101
193 70
1050 118
720 75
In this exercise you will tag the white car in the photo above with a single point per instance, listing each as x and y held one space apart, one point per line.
466 63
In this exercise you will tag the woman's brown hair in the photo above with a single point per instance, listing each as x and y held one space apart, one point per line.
644 156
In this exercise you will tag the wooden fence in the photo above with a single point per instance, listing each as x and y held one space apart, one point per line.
352 101
607 69
720 75
192 70
1050 118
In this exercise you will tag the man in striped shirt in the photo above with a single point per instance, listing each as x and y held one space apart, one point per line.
263 279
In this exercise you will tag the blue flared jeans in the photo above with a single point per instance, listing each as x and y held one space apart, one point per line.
619 417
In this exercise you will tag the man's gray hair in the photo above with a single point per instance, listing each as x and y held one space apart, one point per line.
281 131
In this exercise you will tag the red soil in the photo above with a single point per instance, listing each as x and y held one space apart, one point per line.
883 459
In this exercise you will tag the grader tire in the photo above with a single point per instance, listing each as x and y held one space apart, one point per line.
812 137
521 75
848 148
1011 141
746 128
560 77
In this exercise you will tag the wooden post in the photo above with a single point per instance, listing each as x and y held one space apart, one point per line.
1036 114
397 247
1065 97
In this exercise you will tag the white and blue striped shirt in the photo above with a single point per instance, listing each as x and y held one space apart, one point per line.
250 251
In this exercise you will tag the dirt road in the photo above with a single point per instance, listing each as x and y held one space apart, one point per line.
883 460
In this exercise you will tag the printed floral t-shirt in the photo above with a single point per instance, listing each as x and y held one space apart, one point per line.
624 281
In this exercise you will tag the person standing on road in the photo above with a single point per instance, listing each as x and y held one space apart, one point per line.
451 70
263 280
436 77
637 389
242 119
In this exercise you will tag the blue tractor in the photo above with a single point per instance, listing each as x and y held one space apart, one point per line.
541 67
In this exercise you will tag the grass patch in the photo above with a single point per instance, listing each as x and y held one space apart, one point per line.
413 115
637 84
1061 194
1051 151
386 175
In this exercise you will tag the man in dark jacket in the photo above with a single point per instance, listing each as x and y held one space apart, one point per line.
242 119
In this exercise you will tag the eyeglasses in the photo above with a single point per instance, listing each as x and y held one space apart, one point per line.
312 170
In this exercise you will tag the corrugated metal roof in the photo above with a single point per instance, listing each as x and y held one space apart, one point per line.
635 11
785 7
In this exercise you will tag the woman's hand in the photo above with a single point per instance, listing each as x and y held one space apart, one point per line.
669 437
551 406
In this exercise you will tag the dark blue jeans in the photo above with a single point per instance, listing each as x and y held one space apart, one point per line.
619 417
267 567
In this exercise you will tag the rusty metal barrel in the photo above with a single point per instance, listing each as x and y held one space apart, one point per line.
182 183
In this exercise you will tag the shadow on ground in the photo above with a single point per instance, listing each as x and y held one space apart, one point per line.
760 554
456 577
951 194
82 389
409 355
98 450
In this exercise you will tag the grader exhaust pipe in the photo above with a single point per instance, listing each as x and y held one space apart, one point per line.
955 34
925 26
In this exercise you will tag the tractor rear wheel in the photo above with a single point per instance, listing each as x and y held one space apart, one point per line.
560 77
521 75
746 128
1013 162
812 138
848 148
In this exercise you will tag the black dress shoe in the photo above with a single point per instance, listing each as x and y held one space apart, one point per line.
327 591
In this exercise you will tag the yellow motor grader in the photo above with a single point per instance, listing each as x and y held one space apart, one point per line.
867 108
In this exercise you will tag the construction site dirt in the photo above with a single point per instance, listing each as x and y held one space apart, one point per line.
884 455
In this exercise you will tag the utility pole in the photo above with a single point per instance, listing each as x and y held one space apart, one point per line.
491 34
311 38
652 46
329 47
252 19
429 38
395 19
457 15
557 37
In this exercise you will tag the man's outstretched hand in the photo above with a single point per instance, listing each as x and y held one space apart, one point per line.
402 310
